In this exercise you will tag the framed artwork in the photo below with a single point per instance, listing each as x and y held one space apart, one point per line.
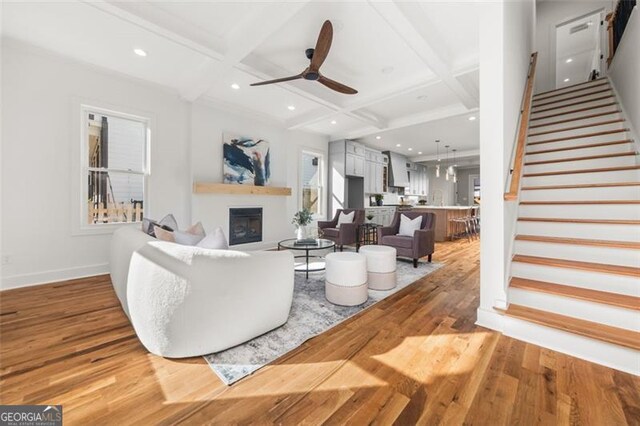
246 160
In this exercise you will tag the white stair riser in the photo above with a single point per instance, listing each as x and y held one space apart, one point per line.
572 93
577 132
552 103
582 211
580 230
583 152
551 109
579 114
577 142
585 85
612 283
583 122
595 254
596 163
578 178
589 311
577 194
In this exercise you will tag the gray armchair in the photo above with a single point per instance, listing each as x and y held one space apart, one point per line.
347 232
421 244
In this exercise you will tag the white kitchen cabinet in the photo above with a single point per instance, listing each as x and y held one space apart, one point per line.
355 165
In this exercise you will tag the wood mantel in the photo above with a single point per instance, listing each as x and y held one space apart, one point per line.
224 188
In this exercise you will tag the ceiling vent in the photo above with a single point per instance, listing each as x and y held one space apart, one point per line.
577 28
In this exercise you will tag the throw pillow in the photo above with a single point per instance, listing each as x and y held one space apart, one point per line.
163 234
168 223
409 226
345 218
216 240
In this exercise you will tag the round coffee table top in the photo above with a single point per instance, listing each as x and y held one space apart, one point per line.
318 244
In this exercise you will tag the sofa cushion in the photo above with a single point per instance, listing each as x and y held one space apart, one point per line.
345 218
331 232
408 226
397 241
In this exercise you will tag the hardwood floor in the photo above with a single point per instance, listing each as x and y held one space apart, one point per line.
416 357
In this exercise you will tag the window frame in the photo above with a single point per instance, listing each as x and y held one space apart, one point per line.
80 224
322 183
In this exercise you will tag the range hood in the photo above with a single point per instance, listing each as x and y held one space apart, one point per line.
398 176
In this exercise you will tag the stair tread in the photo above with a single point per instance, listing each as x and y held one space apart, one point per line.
598 296
583 126
580 241
591 145
588 157
568 120
594 330
577 202
570 172
574 111
592 221
577 186
601 98
608 89
583 135
592 83
575 264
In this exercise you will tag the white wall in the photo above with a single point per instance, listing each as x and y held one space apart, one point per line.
625 72
506 42
41 93
208 123
548 15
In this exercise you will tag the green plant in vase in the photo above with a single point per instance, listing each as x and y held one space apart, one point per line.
379 198
369 217
301 220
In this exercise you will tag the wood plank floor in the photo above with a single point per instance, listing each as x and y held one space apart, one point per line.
414 358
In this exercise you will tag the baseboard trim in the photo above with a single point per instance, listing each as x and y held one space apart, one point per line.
47 277
491 319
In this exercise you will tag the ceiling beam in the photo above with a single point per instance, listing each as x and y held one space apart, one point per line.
412 25
263 21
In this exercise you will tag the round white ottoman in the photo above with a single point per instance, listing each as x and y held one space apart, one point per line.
346 279
381 266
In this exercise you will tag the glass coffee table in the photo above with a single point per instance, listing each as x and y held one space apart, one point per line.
318 244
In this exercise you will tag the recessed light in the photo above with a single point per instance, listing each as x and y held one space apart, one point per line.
387 70
398 145
291 107
139 52
333 121
235 86
472 118
419 152
378 137
566 80
410 149
569 60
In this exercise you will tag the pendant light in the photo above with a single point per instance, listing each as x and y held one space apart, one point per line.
438 158
446 175
454 171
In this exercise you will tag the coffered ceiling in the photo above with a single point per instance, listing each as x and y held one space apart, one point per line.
414 64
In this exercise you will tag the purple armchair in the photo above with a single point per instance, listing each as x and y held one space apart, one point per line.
421 244
346 234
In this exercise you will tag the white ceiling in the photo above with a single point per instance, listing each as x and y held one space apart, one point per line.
414 64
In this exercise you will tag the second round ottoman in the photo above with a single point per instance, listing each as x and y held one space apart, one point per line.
381 266
346 279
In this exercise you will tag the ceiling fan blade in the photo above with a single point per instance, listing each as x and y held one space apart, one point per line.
277 80
338 87
322 46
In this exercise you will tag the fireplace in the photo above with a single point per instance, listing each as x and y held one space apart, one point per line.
245 225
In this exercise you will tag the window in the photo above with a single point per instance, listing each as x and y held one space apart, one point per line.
114 167
313 194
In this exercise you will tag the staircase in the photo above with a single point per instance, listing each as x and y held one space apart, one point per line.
576 263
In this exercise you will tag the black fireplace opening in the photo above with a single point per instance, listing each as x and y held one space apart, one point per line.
245 225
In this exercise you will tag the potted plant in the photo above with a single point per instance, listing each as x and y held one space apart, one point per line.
369 217
302 219
379 198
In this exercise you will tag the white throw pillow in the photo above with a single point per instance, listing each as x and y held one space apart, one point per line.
345 218
216 240
187 238
409 226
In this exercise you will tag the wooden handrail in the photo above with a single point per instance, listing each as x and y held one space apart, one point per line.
525 112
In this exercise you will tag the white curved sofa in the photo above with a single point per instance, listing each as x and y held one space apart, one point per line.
187 301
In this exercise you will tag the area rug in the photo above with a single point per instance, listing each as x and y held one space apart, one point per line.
311 314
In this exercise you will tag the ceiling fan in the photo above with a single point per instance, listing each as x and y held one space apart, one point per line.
317 57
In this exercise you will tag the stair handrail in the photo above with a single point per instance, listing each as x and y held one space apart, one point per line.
525 112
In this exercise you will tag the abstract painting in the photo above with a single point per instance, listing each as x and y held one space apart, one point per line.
246 160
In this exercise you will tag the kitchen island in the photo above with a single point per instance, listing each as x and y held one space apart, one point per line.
445 229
